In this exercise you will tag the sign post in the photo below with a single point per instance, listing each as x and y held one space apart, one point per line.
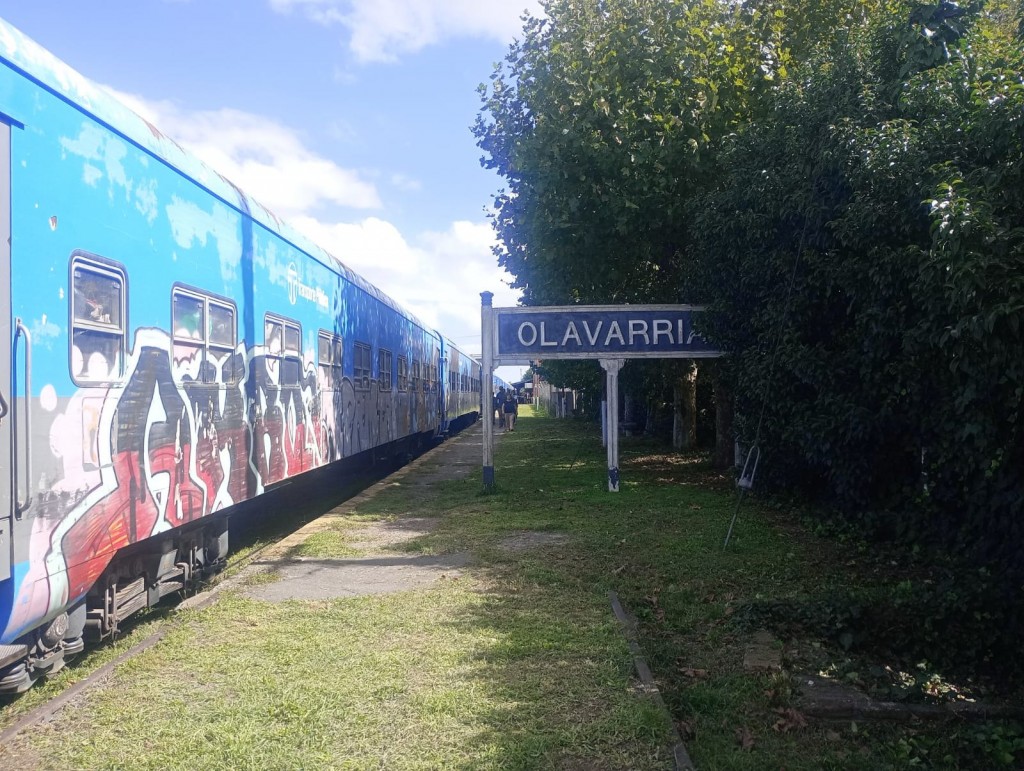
609 333
487 385
611 368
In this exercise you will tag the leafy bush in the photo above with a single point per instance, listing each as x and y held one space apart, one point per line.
883 184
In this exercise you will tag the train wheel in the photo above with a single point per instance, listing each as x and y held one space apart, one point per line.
16 679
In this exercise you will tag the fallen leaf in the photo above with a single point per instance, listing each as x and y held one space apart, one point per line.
789 720
744 739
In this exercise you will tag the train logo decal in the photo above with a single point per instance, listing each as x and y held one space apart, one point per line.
297 289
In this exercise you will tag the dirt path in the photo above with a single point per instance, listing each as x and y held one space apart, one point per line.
379 569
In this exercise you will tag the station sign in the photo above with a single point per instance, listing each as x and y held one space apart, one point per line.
609 333
591 332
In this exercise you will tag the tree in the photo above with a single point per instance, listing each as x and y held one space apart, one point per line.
600 120
887 185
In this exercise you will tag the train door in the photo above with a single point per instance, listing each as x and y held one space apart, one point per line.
6 385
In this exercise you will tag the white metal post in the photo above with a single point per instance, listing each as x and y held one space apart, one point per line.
604 422
487 385
612 367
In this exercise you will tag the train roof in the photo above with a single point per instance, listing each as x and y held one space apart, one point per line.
40 65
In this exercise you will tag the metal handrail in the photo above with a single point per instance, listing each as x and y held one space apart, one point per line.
19 507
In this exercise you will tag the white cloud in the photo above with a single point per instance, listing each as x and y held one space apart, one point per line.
437 275
407 184
364 245
265 158
382 30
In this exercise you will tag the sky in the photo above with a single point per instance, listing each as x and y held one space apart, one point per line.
351 119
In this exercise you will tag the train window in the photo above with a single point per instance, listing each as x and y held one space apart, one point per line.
329 358
384 361
415 375
292 371
188 321
222 325
97 322
273 337
403 373
292 338
282 339
222 338
362 367
323 358
204 335
188 315
97 295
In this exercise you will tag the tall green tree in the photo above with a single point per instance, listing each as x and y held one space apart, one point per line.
600 120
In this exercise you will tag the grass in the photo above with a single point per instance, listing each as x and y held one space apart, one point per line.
337 540
518 663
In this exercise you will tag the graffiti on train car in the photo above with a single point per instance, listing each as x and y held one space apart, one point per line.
164 449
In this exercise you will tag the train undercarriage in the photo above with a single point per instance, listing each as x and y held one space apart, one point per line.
138 577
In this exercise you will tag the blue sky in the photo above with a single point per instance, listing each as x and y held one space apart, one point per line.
349 118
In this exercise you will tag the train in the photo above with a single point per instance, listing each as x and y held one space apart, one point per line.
170 350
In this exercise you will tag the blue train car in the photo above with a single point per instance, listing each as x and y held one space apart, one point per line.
462 394
169 350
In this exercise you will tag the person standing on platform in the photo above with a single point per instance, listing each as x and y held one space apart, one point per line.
511 411
499 403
